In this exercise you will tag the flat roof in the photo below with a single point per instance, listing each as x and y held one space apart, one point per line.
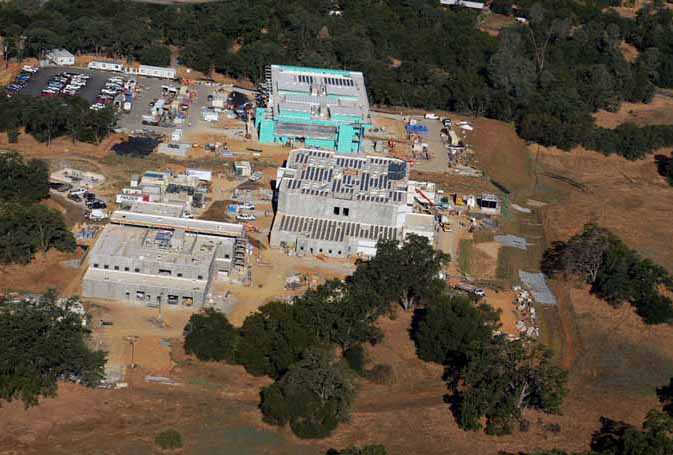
159 68
360 178
156 208
155 245
327 95
169 222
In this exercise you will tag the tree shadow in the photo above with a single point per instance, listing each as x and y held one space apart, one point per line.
665 395
665 166
609 435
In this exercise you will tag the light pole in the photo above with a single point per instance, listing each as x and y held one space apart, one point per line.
132 339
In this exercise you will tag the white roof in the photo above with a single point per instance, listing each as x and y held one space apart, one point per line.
60 53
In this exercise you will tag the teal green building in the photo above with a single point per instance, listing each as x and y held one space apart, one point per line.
314 107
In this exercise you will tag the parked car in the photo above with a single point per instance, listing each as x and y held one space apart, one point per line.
246 206
431 116
75 197
447 123
246 217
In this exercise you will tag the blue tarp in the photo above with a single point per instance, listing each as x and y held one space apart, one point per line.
417 128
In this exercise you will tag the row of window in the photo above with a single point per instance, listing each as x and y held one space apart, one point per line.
345 211
137 270
320 250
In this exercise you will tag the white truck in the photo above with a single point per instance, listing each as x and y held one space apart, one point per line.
469 288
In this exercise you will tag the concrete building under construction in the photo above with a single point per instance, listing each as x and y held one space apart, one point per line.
341 205
149 257
315 107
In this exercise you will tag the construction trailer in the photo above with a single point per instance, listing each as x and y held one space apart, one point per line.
149 256
314 107
117 67
342 205
153 71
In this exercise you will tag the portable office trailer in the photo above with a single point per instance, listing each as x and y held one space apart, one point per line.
157 71
106 66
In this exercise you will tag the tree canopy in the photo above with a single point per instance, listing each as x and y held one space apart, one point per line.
490 377
44 342
453 327
547 75
403 272
22 181
314 396
210 336
47 118
615 272
25 226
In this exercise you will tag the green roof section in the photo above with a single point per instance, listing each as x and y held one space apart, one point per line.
316 107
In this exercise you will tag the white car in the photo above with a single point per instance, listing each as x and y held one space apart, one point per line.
30 69
479 292
431 116
246 206
245 217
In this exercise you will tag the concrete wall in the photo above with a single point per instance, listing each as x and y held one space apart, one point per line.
150 267
152 293
358 211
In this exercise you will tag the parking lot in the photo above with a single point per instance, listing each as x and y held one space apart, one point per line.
149 90
93 87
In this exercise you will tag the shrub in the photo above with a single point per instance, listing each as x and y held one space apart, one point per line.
169 439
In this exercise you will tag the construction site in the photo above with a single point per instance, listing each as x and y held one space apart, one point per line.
180 238
150 256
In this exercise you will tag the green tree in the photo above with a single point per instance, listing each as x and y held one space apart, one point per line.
407 272
210 336
24 230
272 340
616 273
44 342
502 379
22 181
452 328
314 396
157 55
340 313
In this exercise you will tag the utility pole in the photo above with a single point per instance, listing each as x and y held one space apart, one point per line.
132 339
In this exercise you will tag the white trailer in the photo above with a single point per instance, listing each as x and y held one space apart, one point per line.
204 175
157 71
106 66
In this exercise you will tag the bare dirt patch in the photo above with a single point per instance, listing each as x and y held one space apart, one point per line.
45 272
493 23
629 51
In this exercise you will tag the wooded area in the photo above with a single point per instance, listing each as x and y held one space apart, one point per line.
26 226
615 272
548 76
297 344
47 118
43 342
